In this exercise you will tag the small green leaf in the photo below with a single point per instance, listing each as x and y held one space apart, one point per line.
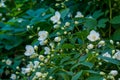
77 76
116 35
101 23
97 14
90 23
88 64
64 13
95 77
67 46
66 58
115 20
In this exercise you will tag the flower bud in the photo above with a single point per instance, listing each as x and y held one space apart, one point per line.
65 32
28 26
113 51
86 50
57 39
111 41
76 22
117 43
90 46
67 24
36 47
102 73
113 72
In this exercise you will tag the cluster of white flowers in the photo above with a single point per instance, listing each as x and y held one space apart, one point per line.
40 76
117 55
30 67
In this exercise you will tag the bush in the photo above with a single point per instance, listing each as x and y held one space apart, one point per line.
59 40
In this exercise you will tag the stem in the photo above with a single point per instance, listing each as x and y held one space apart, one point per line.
110 16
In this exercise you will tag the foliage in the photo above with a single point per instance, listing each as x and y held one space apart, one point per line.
59 39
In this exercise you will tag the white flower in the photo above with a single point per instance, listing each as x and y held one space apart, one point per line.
25 70
79 15
93 36
41 57
30 65
29 50
38 74
13 76
113 72
47 50
90 46
117 55
8 62
2 4
56 17
57 39
106 55
42 35
36 64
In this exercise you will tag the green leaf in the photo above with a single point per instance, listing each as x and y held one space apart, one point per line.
77 76
93 72
116 35
97 14
101 23
67 46
66 58
90 23
95 77
88 64
110 60
115 20
82 35
63 75
64 13
1 71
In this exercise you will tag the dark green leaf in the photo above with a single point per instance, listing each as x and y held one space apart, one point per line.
77 75
116 35
97 14
101 23
67 46
95 77
64 13
90 23
115 20
110 60
88 64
